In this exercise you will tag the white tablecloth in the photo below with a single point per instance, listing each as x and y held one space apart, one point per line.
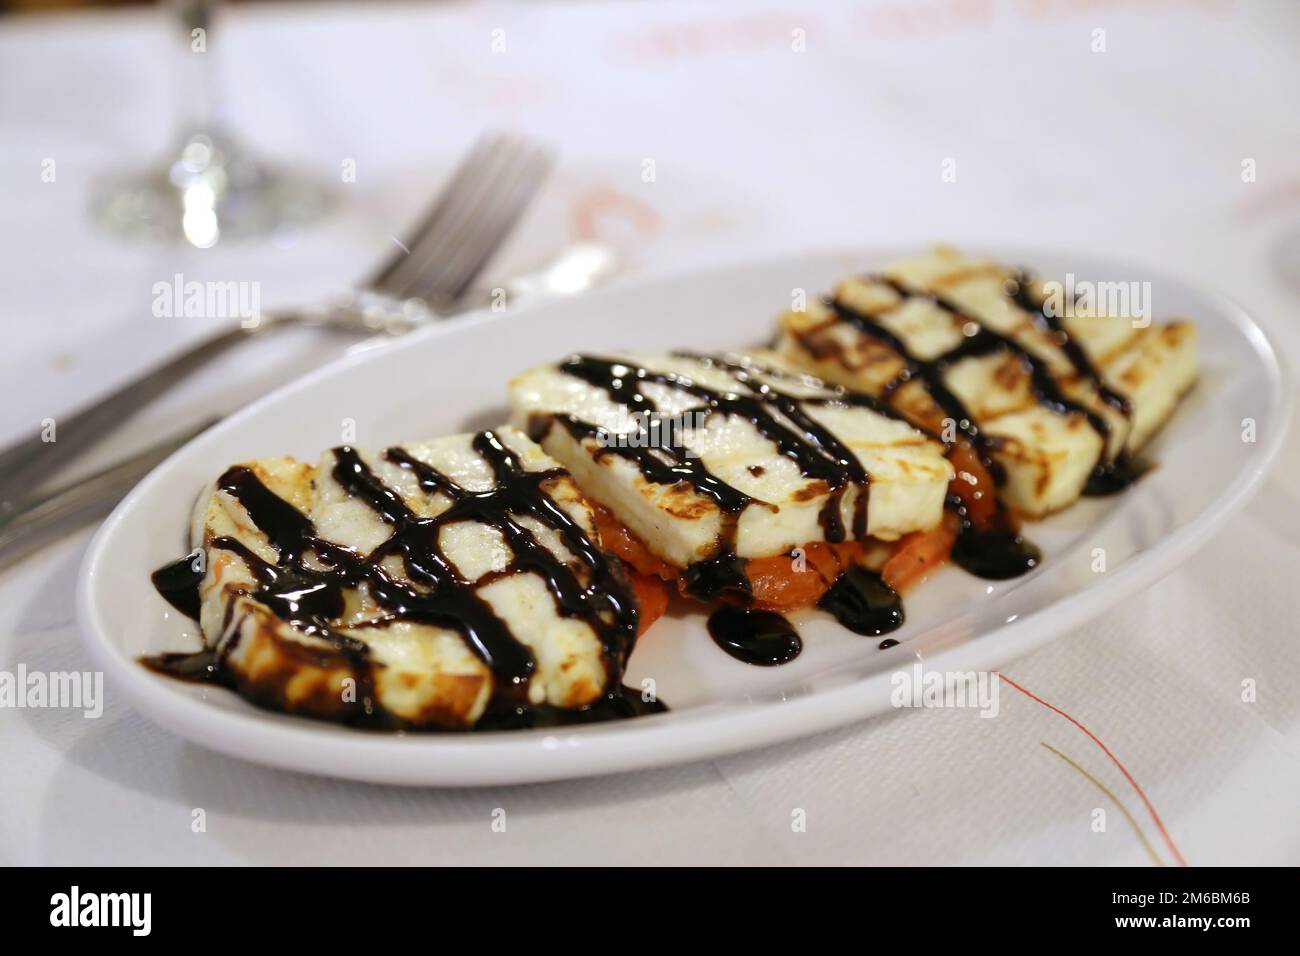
1136 151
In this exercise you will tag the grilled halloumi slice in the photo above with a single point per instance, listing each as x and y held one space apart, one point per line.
425 584
698 455
1055 398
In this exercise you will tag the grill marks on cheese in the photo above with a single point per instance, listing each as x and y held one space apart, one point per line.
780 417
307 585
980 340
1054 405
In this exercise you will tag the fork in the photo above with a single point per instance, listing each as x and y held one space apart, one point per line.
48 515
421 281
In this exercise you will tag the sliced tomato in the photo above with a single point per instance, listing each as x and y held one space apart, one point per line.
618 540
921 552
973 485
651 599
786 582
789 581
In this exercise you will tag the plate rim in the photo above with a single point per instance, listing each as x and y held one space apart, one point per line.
498 757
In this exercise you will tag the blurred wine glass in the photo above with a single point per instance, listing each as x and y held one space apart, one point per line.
209 187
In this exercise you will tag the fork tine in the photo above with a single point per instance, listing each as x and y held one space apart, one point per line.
509 197
493 235
463 213
446 261
440 210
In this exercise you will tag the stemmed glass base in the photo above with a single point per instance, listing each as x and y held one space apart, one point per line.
212 190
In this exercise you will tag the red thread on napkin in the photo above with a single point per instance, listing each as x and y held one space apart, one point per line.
1115 760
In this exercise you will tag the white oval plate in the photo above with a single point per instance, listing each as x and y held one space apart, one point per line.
452 378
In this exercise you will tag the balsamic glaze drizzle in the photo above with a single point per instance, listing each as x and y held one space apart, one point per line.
816 450
1115 476
305 585
777 415
619 703
995 553
721 573
862 602
757 637
858 598
1083 365
1108 476
179 582
930 374
309 595
999 552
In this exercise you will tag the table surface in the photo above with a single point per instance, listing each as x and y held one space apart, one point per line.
759 148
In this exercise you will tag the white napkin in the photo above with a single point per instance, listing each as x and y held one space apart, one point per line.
757 146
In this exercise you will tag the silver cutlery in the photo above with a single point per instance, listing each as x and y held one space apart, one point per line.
419 282
48 516
40 518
